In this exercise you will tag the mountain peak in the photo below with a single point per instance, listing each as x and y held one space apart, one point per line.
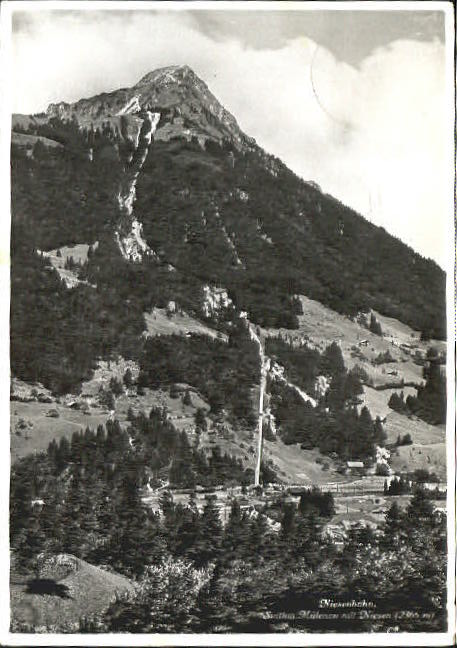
170 73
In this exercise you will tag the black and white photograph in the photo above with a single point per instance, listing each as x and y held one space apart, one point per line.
227 358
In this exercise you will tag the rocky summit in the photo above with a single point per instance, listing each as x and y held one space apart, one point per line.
187 107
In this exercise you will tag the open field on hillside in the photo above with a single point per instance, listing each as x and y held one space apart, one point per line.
180 414
84 591
21 139
421 432
44 429
159 323
431 456
401 333
377 400
297 466
39 429
319 326
59 257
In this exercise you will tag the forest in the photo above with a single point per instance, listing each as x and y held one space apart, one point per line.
92 489
193 574
430 402
61 197
335 425
224 374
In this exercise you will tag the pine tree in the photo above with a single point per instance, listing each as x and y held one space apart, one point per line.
332 362
420 510
375 326
393 526
208 543
200 420
288 521
71 515
130 541
128 379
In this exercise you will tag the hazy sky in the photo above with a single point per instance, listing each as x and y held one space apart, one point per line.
351 100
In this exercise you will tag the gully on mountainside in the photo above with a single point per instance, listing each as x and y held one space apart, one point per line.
129 234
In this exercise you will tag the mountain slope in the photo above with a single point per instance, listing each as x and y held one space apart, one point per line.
211 209
57 601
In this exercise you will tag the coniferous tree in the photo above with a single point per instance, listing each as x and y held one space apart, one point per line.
332 362
375 326
209 539
393 526
128 378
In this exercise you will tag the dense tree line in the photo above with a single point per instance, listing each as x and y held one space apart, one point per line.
185 197
314 235
320 247
57 334
334 426
431 399
223 373
195 574
249 578
91 488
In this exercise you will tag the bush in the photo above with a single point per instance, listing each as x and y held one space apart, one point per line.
106 399
383 358
404 440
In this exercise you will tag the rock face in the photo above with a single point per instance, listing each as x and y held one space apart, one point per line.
187 107
215 301
129 234
171 102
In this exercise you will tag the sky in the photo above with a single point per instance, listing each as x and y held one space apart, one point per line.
352 100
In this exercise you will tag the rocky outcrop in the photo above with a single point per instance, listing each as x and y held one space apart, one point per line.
215 301
129 232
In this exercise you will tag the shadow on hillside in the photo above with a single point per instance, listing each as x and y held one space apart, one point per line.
48 586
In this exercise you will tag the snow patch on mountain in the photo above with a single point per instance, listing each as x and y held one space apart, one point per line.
131 107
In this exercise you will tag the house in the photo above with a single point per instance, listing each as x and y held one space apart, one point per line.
355 467
354 464
363 343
